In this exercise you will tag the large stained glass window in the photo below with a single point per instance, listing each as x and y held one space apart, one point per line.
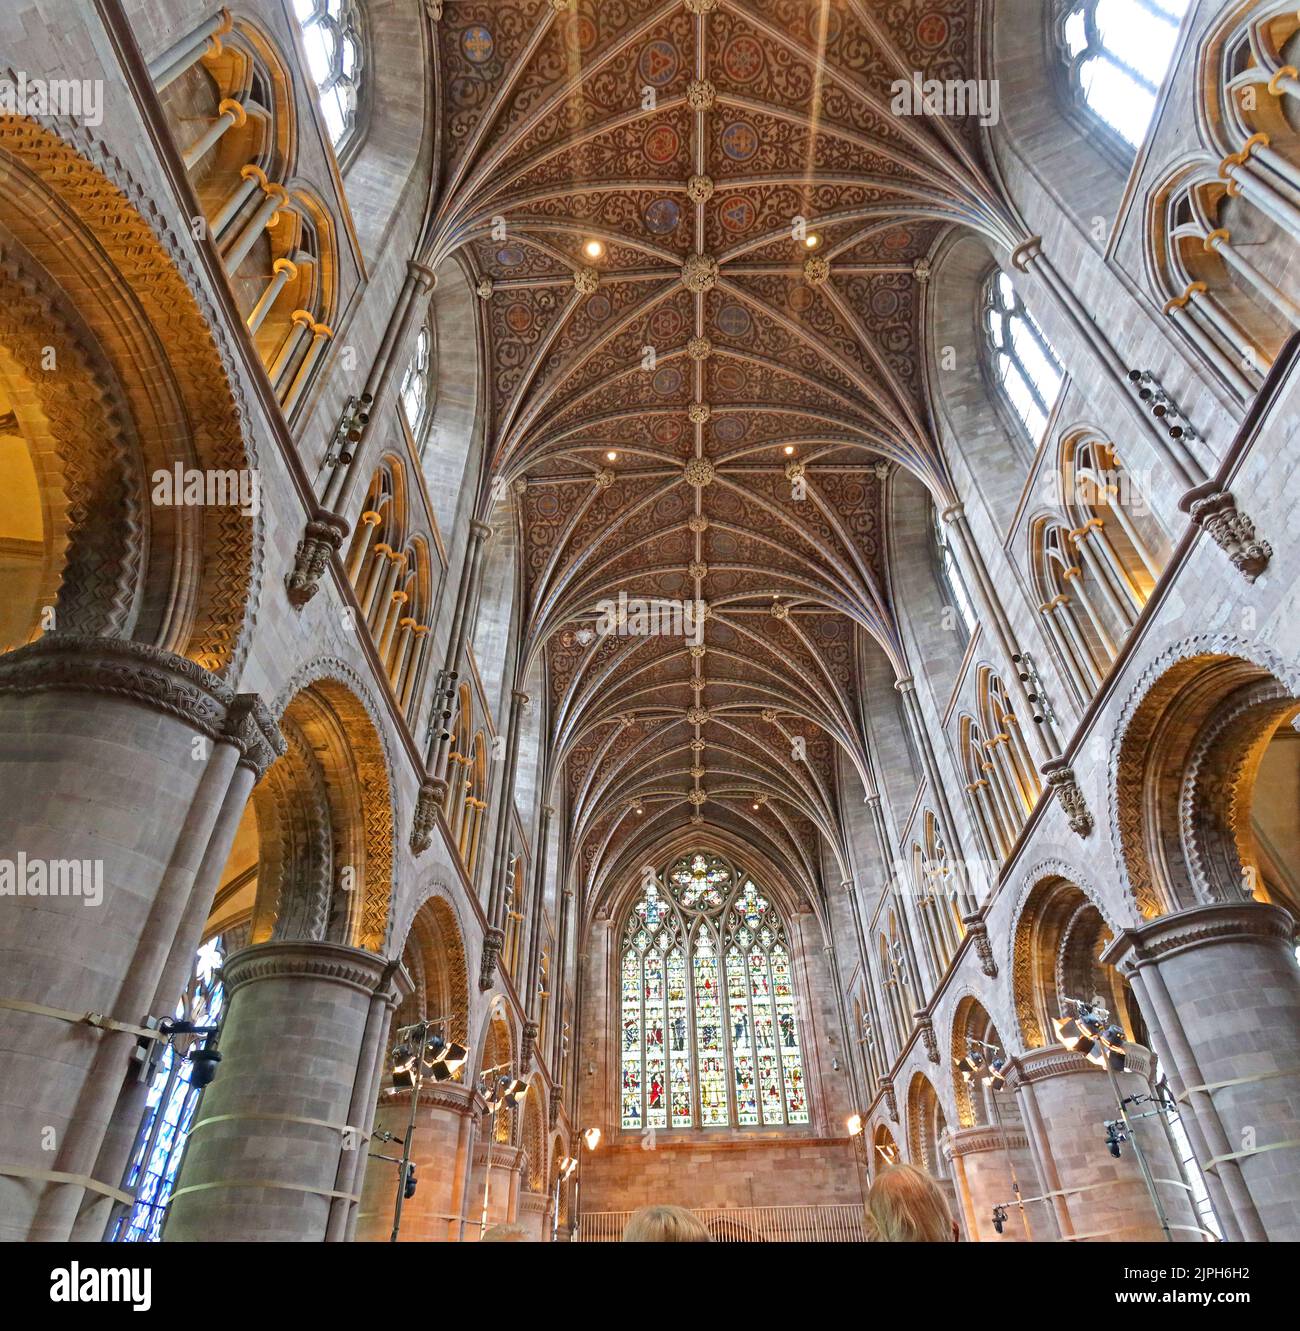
170 1108
710 1031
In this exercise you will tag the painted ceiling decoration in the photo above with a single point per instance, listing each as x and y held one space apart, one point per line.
700 238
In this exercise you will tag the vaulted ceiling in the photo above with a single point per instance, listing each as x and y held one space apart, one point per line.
754 388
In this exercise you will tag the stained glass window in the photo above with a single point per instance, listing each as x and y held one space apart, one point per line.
710 1029
417 381
169 1109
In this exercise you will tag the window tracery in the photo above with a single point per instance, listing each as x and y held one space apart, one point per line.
1022 360
710 1032
332 36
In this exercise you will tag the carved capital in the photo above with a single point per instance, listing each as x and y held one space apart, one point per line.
979 936
891 1102
323 538
427 804
527 1044
487 970
251 728
331 963
1060 778
925 1024
1200 926
553 1110
1216 513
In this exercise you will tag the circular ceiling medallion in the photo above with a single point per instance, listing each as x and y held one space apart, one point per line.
740 141
729 378
801 298
599 307
582 33
667 431
743 59
884 303
728 429
477 44
667 381
737 213
662 216
658 63
932 30
734 320
898 240
519 318
665 324
660 144
510 256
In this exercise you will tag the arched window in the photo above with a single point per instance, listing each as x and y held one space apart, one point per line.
710 1032
170 1107
1023 362
951 582
332 37
417 382
1117 52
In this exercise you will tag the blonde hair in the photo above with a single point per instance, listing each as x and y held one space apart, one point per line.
905 1205
507 1234
665 1224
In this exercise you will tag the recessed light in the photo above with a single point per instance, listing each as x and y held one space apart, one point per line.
612 456
789 449
812 240
594 249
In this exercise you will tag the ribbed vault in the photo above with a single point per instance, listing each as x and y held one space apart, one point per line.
752 388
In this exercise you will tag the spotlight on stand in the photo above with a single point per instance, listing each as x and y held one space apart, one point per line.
1115 1134
568 1164
854 1125
999 1218
592 1137
202 1056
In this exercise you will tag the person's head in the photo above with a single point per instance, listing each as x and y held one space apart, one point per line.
905 1205
507 1234
665 1224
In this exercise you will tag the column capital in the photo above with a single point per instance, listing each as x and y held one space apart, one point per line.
1198 926
352 967
425 277
953 512
479 531
905 684
1026 252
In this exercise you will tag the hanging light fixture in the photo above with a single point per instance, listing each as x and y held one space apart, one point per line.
592 1137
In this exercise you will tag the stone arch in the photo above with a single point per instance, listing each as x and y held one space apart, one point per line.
1059 934
94 281
1189 743
434 954
884 1148
325 817
497 1048
926 1125
534 1135
971 1021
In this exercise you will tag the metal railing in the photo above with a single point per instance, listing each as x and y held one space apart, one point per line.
746 1224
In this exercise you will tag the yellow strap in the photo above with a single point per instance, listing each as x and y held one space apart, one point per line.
1235 1081
78 1180
263 1183
276 1118
96 1019
1254 1150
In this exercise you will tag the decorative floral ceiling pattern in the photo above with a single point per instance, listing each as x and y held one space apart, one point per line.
700 237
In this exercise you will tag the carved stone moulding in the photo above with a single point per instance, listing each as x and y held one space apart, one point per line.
367 972
322 538
152 677
1216 513
1061 779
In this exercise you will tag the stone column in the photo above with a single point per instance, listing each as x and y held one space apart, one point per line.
440 1151
278 1145
1065 1101
984 1161
535 1214
502 1163
1220 989
117 765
